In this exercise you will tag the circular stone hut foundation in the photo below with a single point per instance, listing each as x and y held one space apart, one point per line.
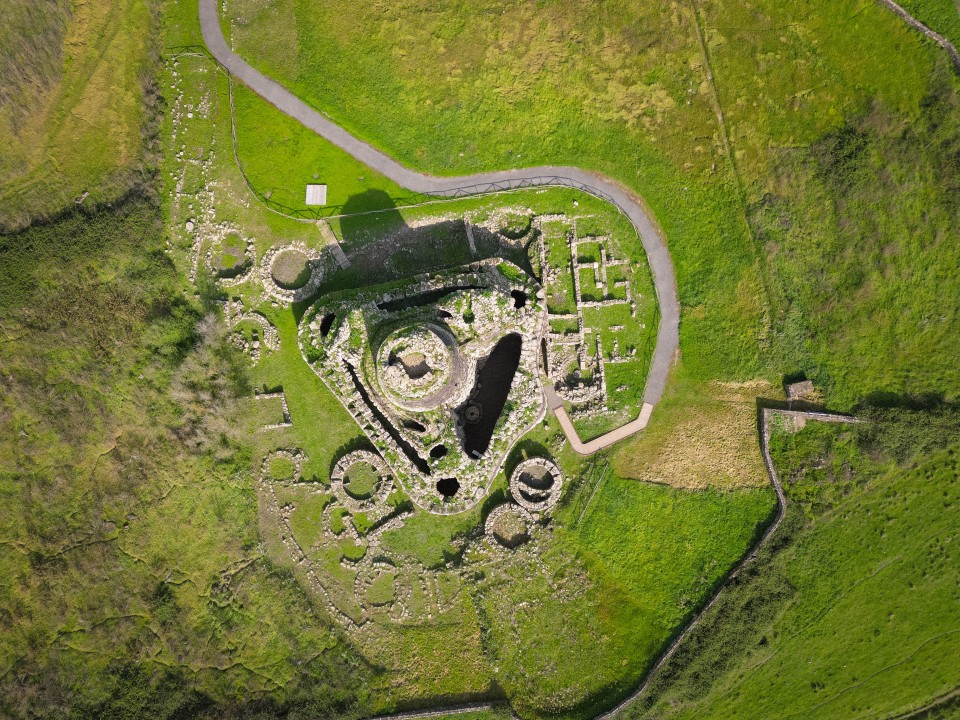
340 480
536 484
508 526
313 261
419 367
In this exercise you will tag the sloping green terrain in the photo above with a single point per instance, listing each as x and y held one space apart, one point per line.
77 100
803 161
853 612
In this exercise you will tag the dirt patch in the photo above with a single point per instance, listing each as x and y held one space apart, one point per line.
291 269
702 436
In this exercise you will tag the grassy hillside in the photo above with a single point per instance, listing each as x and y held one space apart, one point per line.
452 87
852 612
859 230
809 196
940 15
76 104
131 584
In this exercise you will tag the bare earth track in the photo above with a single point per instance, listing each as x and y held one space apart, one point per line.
661 265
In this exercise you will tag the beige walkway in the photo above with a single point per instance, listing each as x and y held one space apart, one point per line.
589 448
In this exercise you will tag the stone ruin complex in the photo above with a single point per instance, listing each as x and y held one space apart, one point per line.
535 484
440 372
578 375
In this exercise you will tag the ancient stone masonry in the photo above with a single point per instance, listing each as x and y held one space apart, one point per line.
578 374
265 337
222 242
195 191
381 585
294 456
413 364
536 484
287 420
407 363
317 261
339 474
375 583
416 366
267 491
508 526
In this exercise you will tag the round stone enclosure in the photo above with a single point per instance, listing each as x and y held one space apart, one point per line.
290 269
361 480
291 273
508 526
536 484
282 466
229 257
417 366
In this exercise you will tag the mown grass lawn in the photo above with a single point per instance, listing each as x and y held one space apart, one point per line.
643 558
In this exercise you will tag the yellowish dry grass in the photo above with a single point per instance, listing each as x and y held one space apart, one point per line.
80 131
702 435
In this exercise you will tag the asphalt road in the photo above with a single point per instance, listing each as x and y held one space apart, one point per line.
661 265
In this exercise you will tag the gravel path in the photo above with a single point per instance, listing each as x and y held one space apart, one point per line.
661 266
930 33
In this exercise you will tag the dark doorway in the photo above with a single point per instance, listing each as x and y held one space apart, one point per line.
448 487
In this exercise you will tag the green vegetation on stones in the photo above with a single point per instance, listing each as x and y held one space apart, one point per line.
281 468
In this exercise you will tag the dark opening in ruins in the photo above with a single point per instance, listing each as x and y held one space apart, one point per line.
326 322
540 479
438 451
479 414
414 425
444 315
536 484
448 487
395 435
519 298
427 298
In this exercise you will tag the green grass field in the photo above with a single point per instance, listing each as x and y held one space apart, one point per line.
813 232
78 110
853 612
943 16
129 516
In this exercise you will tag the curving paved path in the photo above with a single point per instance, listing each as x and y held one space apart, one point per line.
661 266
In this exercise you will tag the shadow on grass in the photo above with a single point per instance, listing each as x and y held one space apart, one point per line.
360 442
892 401
369 215
521 451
